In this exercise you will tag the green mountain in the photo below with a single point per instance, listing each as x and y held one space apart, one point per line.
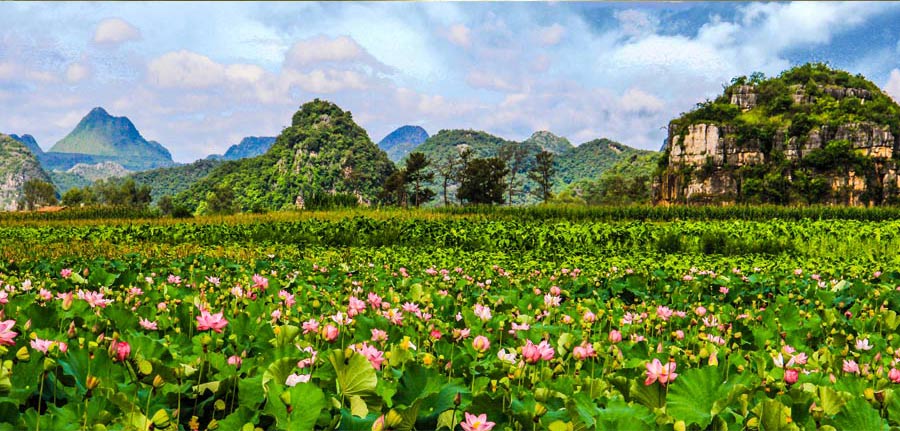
17 166
100 137
250 146
810 135
30 143
549 142
450 142
323 152
174 179
591 159
402 141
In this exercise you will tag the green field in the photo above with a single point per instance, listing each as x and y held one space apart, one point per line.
539 318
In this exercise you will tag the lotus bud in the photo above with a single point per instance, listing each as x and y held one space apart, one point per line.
378 425
23 354
158 381
457 399
91 382
393 419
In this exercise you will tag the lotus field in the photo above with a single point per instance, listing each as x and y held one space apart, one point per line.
399 338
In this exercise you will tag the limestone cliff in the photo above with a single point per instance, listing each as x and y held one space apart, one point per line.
811 135
17 166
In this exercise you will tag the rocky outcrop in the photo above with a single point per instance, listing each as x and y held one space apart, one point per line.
18 165
708 161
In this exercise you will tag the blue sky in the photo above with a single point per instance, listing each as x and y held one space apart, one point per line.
197 77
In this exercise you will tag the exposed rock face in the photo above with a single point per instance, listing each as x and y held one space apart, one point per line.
17 166
707 163
99 171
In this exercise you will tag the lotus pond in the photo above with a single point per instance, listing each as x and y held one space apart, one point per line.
385 337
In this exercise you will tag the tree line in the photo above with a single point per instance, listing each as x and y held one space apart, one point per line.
487 180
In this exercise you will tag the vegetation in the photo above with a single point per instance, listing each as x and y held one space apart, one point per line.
591 159
36 194
323 153
553 320
789 109
175 179
481 181
18 165
542 175
399 143
110 192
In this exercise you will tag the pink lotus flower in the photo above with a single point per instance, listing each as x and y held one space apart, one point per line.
656 371
476 423
723 290
289 300
94 299
584 351
552 300
506 357
45 294
174 279
146 324
700 310
260 282
555 291
7 336
121 349
211 321
331 332
790 376
410 307
379 335
40 345
482 312
664 313
534 353
235 361
615 336
863 344
894 375
850 367
355 306
65 272
310 325
293 379
679 334
435 334
374 300
481 343
589 317
375 356
461 334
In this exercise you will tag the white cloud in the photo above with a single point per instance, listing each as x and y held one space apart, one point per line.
491 81
323 49
552 35
892 87
77 72
459 34
185 69
115 31
637 101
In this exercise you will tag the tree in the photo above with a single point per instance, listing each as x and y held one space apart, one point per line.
220 200
481 181
542 174
37 193
165 205
514 155
393 191
448 170
416 174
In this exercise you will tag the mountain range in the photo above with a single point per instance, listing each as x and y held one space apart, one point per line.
399 143
251 146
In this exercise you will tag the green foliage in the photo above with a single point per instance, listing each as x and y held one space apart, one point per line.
416 174
323 153
481 181
37 193
542 174
175 179
591 159
110 192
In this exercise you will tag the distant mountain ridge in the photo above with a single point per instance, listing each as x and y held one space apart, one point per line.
100 137
30 143
251 146
402 141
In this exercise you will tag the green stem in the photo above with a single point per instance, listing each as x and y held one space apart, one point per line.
37 427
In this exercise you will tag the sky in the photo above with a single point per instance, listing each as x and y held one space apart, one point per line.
197 77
